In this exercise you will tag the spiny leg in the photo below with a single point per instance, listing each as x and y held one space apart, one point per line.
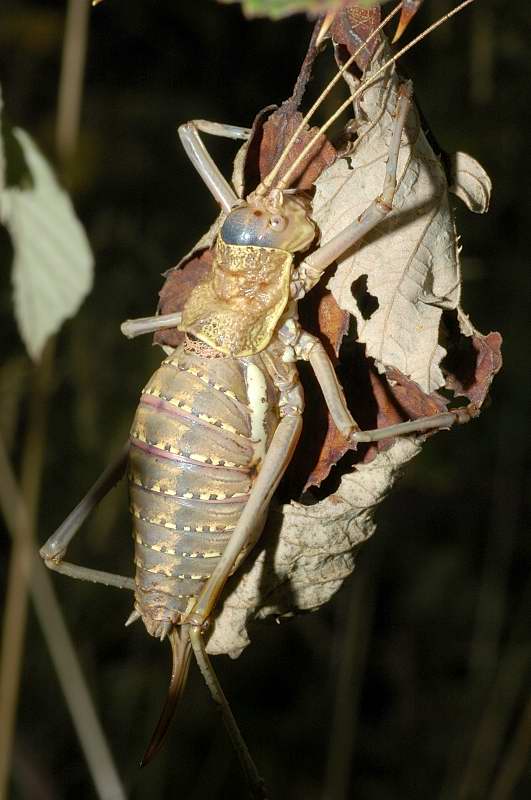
92 575
255 782
54 550
202 160
310 349
444 420
313 266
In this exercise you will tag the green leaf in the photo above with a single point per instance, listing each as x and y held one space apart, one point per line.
53 263
275 9
15 166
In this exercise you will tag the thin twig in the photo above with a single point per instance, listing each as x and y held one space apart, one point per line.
58 640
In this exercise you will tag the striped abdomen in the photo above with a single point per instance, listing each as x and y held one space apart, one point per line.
197 440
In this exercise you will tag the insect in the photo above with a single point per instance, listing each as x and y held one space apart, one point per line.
219 421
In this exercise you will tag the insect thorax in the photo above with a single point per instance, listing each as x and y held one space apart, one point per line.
236 309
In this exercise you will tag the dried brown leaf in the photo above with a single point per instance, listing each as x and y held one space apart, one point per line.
409 9
413 401
352 27
410 260
278 130
470 182
472 364
332 325
175 291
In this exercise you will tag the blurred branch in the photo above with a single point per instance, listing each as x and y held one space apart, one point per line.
482 52
13 630
494 591
57 638
507 493
498 707
71 80
353 631
16 607
493 725
517 760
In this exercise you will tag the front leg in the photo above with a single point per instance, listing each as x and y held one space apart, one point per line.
142 325
202 160
312 268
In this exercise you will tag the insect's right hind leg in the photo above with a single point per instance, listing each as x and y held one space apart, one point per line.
310 349
202 160
255 782
54 550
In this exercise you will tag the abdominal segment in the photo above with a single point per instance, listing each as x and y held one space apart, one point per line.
193 459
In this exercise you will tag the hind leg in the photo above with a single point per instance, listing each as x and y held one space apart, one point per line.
255 782
54 550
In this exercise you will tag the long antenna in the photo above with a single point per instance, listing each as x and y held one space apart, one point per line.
267 182
284 181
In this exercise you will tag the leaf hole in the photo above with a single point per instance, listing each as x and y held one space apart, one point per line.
460 360
366 302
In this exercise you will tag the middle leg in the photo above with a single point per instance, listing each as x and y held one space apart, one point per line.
309 348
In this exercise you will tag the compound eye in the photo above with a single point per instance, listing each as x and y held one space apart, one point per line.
277 222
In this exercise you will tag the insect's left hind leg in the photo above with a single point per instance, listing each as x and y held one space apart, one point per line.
256 784
313 266
54 550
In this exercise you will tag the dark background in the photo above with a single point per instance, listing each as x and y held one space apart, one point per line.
418 670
